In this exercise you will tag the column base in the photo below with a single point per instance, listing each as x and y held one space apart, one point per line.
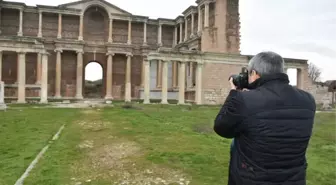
57 96
199 33
146 102
129 42
43 101
38 83
80 38
19 34
79 97
59 36
3 106
39 35
110 41
192 36
145 44
165 102
21 101
108 98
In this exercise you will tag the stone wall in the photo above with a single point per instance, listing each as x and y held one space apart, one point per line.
215 86
49 25
30 24
320 93
70 26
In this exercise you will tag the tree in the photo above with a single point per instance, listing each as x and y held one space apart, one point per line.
314 72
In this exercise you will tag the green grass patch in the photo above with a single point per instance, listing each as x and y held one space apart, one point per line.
143 144
23 133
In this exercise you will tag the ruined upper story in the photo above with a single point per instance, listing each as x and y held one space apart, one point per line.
211 25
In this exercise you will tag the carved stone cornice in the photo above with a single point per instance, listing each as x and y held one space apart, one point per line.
119 48
69 45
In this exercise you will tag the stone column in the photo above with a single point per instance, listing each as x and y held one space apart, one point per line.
79 84
39 68
206 15
129 40
186 29
181 78
181 33
160 34
59 34
164 90
159 74
174 74
109 76
81 17
0 23
20 23
199 28
39 34
110 39
143 72
145 34
192 25
128 90
146 81
58 73
21 77
300 78
0 65
175 37
44 80
199 72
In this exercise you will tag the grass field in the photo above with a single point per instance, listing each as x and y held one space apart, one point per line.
143 145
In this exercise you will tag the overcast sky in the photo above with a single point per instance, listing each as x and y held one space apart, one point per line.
293 28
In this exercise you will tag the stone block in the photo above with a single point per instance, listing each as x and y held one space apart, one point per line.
2 96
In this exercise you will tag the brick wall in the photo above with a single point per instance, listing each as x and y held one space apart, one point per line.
49 25
96 25
10 21
9 67
167 35
70 26
120 31
233 26
69 70
30 24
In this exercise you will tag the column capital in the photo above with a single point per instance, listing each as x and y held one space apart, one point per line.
58 50
110 53
21 52
129 54
79 51
44 53
200 63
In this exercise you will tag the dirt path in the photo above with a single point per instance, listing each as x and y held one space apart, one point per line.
116 160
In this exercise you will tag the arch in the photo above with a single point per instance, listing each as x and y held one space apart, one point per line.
95 4
94 80
96 23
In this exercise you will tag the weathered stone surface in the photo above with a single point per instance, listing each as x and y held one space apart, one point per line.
2 96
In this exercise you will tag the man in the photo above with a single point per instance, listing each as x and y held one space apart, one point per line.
271 124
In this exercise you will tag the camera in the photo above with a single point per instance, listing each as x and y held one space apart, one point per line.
240 80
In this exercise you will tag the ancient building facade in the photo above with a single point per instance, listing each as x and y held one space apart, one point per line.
44 51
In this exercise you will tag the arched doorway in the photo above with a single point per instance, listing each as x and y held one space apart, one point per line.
93 87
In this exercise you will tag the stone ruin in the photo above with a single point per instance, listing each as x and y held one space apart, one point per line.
3 106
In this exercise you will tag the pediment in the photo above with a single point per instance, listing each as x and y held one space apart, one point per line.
84 4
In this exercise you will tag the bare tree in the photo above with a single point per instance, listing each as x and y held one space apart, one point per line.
314 72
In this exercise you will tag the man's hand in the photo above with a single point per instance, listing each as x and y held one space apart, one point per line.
233 87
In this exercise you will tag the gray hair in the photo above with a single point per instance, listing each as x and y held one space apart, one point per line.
266 63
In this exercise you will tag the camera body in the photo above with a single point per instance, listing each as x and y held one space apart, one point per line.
241 80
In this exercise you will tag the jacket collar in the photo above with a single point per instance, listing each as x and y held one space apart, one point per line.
277 77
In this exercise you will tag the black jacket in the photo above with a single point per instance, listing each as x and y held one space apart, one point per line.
272 125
